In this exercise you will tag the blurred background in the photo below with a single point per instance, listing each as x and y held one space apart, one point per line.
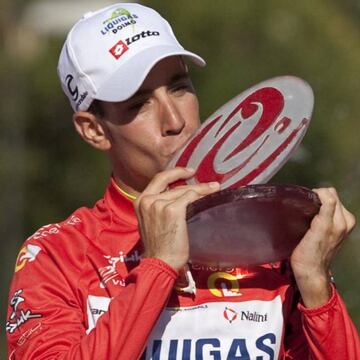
46 171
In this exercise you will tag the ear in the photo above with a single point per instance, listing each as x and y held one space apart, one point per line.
91 130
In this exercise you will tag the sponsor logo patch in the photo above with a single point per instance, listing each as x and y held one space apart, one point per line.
110 273
119 19
122 46
45 231
211 268
222 284
28 253
29 333
96 306
222 330
74 91
230 314
118 49
18 317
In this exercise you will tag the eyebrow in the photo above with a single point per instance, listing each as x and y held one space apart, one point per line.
175 78
180 76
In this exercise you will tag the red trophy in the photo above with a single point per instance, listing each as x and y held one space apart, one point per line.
242 145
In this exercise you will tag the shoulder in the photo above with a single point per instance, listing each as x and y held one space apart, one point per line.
60 243
72 227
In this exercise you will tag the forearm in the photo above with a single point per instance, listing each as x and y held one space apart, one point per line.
59 331
122 332
314 287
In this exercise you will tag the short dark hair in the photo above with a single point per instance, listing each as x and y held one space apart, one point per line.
96 108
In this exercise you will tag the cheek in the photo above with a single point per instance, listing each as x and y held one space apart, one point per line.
135 142
191 113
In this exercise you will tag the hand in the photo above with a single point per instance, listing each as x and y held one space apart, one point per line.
311 259
162 215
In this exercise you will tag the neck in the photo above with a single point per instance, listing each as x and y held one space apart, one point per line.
131 181
127 190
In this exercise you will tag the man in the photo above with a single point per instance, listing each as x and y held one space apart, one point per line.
88 288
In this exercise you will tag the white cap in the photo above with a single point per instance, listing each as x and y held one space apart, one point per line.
108 53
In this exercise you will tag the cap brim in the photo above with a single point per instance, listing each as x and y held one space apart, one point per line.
119 88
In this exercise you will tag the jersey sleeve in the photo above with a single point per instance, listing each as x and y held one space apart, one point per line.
323 333
329 330
46 315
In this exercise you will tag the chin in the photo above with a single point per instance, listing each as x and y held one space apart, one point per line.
162 168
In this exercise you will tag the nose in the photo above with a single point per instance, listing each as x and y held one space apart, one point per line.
172 122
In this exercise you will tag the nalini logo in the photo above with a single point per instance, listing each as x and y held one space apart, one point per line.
118 49
230 314
254 316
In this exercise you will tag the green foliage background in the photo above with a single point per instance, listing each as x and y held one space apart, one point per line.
46 171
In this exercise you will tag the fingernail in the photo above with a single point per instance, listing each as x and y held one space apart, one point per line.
190 169
214 185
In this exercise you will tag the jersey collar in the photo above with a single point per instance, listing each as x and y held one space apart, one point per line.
120 204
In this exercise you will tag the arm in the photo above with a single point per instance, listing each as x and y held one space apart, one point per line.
51 291
122 332
329 331
53 319
162 215
327 326
321 333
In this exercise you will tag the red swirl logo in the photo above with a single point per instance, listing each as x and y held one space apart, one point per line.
246 144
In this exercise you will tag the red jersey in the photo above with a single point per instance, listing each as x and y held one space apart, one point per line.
81 291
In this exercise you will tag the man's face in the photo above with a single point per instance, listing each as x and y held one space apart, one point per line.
146 130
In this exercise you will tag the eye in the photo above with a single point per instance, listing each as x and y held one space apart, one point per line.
138 105
182 87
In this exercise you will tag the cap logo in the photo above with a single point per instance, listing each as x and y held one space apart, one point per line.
74 92
118 49
118 12
119 19
142 35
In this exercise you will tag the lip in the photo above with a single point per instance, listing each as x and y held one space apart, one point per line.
170 154
180 145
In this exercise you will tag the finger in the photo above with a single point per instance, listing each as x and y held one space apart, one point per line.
144 203
340 225
202 189
180 204
328 205
350 219
161 181
328 201
342 215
